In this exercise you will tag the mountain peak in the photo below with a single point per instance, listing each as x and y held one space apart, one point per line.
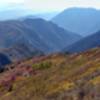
79 20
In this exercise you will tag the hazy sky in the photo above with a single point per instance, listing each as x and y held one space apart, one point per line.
50 5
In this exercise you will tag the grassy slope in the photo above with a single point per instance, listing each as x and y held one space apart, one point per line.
56 77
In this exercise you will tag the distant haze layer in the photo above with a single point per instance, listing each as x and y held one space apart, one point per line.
49 5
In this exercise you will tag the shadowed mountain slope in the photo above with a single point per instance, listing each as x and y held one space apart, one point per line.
4 60
21 51
42 35
84 44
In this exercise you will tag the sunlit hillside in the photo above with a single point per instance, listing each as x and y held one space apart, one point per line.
53 77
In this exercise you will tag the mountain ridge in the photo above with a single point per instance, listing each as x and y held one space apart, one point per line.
42 35
84 44
79 20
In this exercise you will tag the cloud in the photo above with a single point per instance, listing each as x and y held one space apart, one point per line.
9 2
51 5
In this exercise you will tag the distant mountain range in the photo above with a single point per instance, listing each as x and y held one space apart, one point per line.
84 44
31 36
20 13
42 35
14 14
83 21
47 16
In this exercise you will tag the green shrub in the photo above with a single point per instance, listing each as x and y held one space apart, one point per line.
42 65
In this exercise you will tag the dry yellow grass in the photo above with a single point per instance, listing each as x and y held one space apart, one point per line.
59 77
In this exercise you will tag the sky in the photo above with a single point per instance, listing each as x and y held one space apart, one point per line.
49 5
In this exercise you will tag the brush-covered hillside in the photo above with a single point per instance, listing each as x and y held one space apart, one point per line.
20 51
53 77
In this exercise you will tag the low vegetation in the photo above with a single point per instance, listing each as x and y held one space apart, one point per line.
57 77
42 65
